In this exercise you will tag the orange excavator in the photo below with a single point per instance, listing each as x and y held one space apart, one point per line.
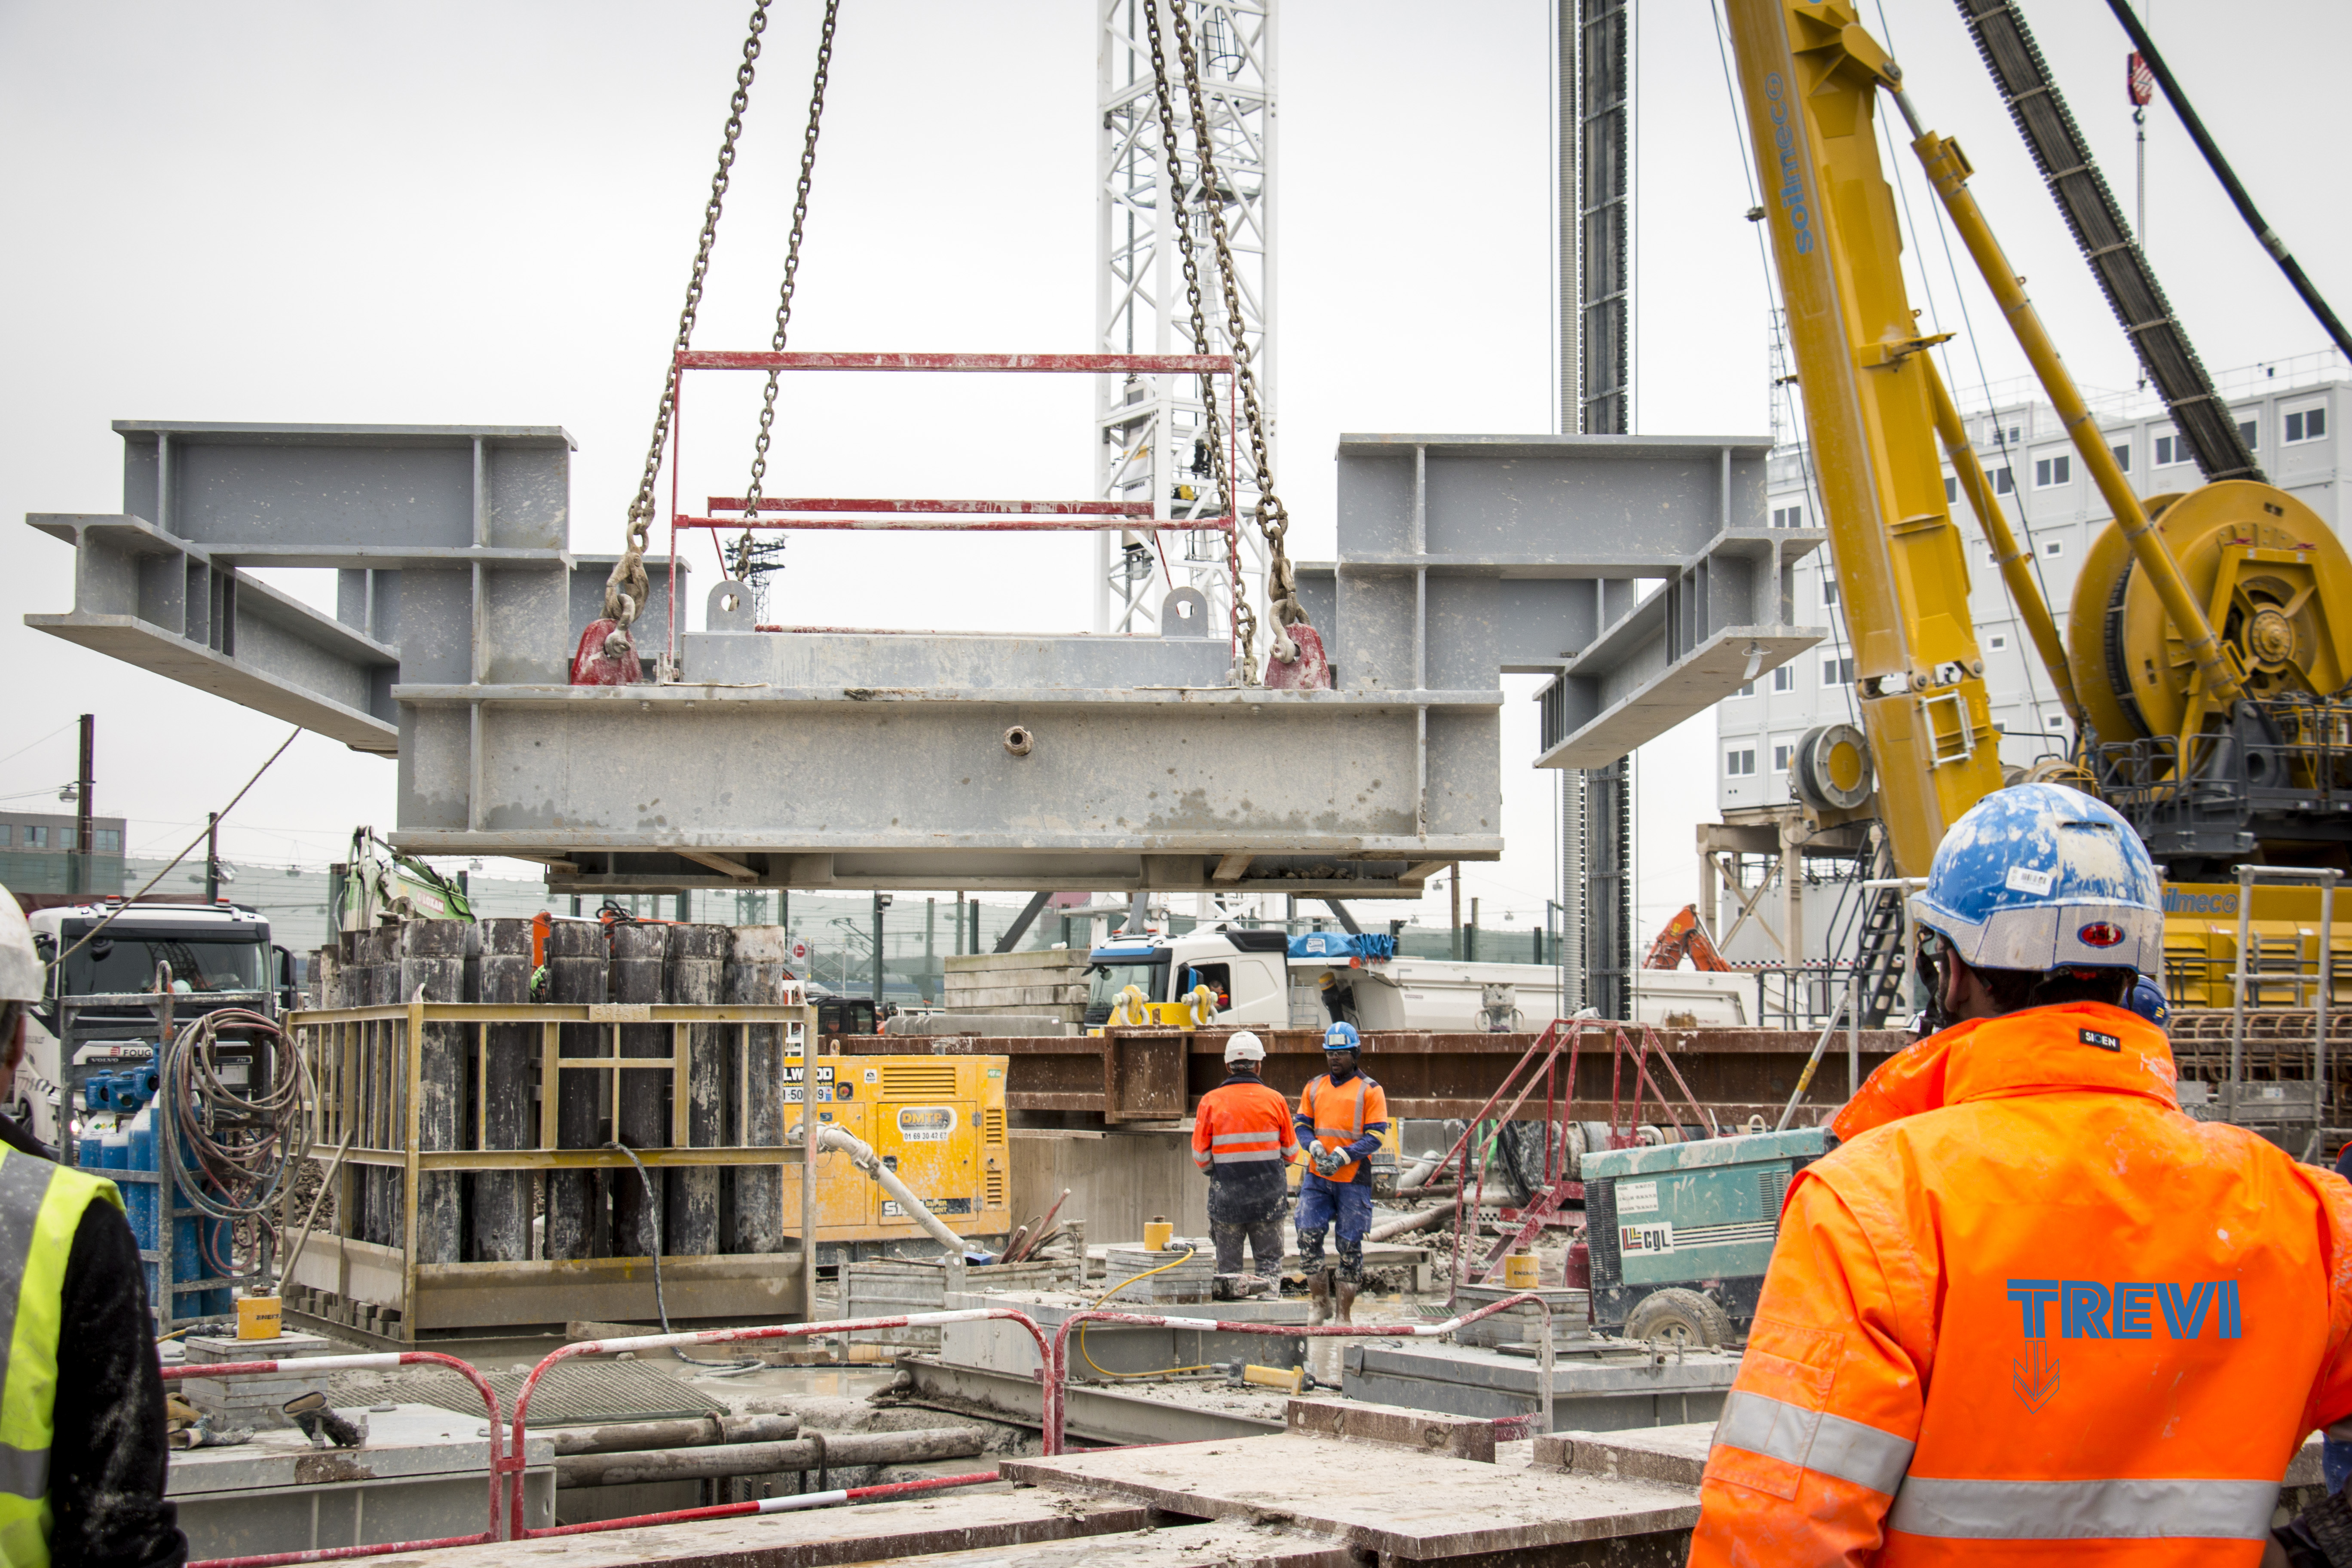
1683 937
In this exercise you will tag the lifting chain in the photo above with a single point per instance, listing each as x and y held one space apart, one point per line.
784 294
626 590
1272 516
1244 617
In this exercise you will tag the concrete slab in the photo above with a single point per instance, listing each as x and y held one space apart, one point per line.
1416 1507
1422 1431
1599 1393
953 1522
1228 1544
1664 1456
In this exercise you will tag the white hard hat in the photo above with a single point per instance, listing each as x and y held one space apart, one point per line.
1240 1045
20 966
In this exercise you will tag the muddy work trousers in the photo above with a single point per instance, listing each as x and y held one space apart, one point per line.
1323 1203
1246 1207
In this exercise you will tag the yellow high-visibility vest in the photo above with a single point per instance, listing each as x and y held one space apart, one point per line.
41 1205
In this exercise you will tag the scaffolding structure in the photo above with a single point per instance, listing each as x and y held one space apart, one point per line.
1149 433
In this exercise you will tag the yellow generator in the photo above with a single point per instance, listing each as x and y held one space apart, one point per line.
938 1121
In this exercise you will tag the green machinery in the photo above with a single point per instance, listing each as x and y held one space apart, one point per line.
1681 1233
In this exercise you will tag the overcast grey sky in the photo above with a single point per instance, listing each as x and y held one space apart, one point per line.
483 213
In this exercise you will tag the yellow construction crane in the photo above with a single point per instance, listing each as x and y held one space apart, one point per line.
2211 634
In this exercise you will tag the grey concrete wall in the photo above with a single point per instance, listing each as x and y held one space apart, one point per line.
1117 1180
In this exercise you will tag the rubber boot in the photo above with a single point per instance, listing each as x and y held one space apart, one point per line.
1347 1314
1318 1298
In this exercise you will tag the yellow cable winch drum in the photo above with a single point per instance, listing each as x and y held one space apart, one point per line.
2274 580
1520 1271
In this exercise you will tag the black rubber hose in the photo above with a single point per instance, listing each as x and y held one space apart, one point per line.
2222 171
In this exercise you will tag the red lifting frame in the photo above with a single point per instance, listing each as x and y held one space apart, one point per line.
888 515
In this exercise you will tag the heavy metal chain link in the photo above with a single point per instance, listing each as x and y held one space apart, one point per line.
784 294
1244 617
1273 517
626 590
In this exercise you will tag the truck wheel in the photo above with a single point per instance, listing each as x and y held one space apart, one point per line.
1687 1318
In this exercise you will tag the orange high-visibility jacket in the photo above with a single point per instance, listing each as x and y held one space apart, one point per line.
2032 1313
1242 1122
1342 1113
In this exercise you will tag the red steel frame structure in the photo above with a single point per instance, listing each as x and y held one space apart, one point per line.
836 513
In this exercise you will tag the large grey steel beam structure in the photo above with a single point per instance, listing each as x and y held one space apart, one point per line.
910 760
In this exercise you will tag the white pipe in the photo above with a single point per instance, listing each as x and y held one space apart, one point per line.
868 1162
1423 1168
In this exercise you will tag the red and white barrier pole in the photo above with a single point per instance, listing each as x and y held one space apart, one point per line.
379 1362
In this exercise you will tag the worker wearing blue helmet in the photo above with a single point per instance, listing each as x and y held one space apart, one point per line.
1340 1119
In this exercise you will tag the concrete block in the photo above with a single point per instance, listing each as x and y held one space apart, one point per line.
1423 1431
1666 1456
285 1347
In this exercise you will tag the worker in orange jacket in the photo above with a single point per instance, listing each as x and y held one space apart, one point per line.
2027 1311
1242 1139
1341 1116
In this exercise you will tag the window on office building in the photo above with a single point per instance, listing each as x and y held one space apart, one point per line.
1837 672
1997 642
105 840
1789 517
2001 483
2054 547
2248 429
1829 593
1747 691
7 834
1782 752
1740 764
2305 424
2121 450
2057 721
37 838
1785 679
2049 473
2170 449
1952 488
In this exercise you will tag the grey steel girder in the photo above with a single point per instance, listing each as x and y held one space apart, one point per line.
814 759
1530 553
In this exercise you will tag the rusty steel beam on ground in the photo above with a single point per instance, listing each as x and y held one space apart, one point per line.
1130 1076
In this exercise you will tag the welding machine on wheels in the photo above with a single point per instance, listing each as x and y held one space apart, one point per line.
1680 1233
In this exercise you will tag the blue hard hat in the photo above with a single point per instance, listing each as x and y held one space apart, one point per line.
2038 877
2146 999
1341 1037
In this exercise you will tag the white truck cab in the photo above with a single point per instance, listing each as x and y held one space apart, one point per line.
1265 979
209 949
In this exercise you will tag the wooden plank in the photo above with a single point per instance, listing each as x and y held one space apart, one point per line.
953 1522
1415 1505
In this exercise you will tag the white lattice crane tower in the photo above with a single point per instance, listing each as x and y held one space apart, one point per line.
1149 432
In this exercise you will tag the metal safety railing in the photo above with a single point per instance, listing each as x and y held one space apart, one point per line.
636 1342
508 1452
380 1361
